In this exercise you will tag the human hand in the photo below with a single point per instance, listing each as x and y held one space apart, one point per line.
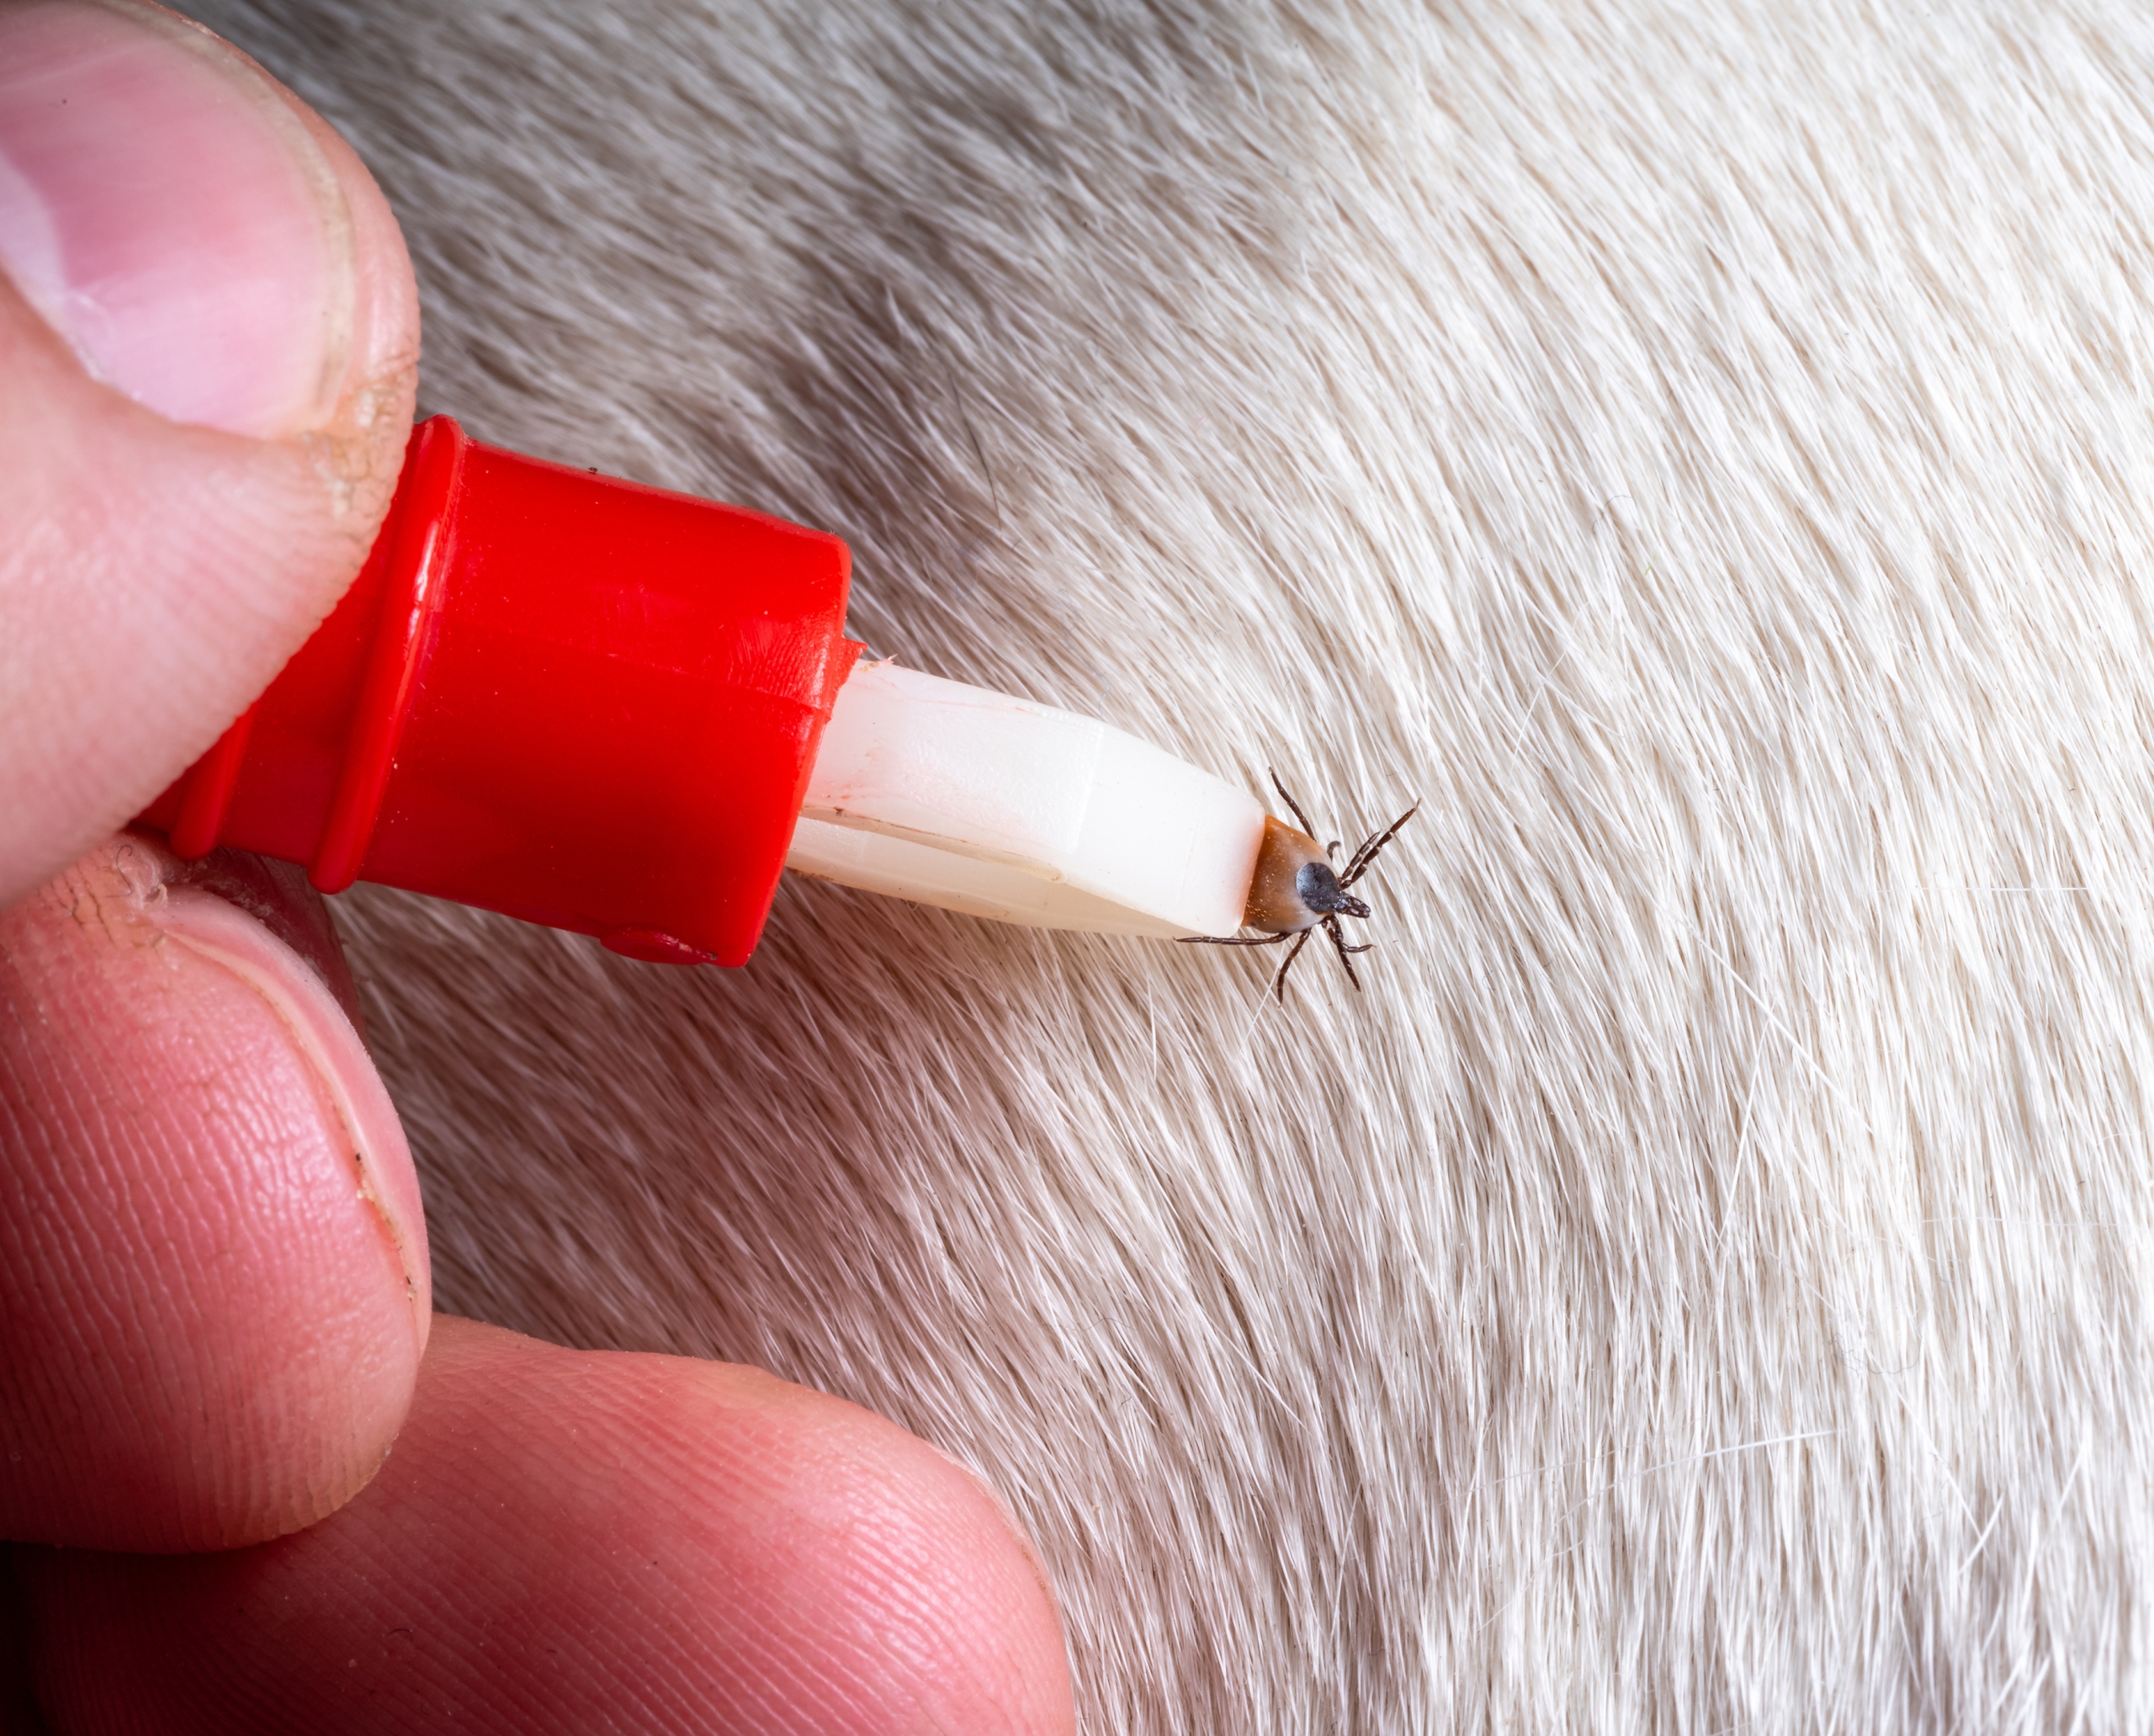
215 1315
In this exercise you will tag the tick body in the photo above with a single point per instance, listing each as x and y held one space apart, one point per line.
1297 890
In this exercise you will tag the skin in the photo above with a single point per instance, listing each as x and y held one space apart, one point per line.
214 1319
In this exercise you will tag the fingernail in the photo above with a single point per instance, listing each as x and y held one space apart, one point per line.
382 1171
218 914
163 207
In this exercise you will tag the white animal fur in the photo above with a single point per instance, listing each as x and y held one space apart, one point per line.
1705 450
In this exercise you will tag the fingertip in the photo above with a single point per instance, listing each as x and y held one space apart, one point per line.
208 334
203 240
574 1540
213 1283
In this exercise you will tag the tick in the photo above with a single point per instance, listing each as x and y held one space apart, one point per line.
1297 890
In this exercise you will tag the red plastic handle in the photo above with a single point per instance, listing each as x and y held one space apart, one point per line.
578 700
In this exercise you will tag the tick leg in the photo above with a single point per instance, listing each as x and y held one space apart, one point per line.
1338 940
1232 939
1291 802
1368 853
1279 982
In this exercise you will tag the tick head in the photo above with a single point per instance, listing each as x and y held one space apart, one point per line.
1317 885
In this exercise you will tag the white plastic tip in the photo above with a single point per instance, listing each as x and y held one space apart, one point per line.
950 795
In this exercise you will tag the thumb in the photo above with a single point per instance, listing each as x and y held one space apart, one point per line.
209 337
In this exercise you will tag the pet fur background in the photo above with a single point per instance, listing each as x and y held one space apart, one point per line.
1706 451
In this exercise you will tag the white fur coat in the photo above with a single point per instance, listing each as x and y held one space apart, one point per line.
1704 450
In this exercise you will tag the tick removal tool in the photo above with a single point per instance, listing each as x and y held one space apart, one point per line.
617 710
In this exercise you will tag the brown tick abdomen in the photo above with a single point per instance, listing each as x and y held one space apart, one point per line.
1274 905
